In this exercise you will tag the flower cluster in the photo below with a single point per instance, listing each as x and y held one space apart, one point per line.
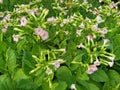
42 33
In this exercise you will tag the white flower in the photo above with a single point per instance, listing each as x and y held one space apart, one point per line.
100 0
66 32
73 87
111 63
99 19
82 25
97 62
81 45
78 32
48 71
52 20
15 38
111 58
1 1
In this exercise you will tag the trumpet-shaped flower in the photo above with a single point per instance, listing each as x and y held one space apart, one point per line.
82 25
111 63
106 41
97 62
78 32
48 71
57 64
44 35
23 21
1 1
92 69
81 45
73 87
38 31
99 19
89 37
15 38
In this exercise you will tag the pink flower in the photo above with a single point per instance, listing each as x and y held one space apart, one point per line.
106 41
23 21
15 38
7 17
95 27
44 35
4 30
48 71
104 31
92 69
78 32
57 64
89 37
38 31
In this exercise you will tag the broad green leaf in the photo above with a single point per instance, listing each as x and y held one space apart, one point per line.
19 74
2 46
63 73
10 59
6 83
114 77
3 68
2 87
25 84
88 85
27 62
116 45
93 87
99 76
61 85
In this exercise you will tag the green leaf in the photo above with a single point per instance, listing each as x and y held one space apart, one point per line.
99 76
24 84
88 85
2 64
114 77
19 74
27 62
63 73
10 59
93 87
61 85
116 45
2 87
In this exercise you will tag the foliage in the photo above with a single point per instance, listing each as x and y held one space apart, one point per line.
60 45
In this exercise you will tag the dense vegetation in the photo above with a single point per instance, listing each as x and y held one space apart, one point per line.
59 45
